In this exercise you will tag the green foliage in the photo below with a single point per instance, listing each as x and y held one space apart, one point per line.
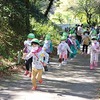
13 26
3 68
78 11
40 4
43 29
2 50
87 8
36 14
14 14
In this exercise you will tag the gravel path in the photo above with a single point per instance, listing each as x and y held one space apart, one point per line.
73 81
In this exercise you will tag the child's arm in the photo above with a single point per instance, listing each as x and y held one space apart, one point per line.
95 49
25 46
68 48
25 43
29 55
58 49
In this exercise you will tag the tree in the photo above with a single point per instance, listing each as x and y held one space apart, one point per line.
86 8
58 18
48 8
97 7
12 25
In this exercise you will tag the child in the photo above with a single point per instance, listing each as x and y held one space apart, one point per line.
85 42
94 52
38 62
27 49
69 41
62 51
48 44
73 44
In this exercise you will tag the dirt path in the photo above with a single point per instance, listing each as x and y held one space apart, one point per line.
74 81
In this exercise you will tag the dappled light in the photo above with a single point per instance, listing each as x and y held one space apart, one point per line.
49 49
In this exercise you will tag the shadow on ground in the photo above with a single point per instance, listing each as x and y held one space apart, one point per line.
75 79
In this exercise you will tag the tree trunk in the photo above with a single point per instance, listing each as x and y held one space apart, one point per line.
89 16
48 8
27 16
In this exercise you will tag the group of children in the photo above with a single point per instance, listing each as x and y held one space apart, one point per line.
37 55
91 39
67 48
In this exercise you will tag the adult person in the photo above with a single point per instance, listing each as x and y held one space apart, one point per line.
79 33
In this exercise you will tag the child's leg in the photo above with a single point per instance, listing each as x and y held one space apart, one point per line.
86 49
33 78
65 56
83 48
96 60
39 77
60 60
49 57
65 59
30 66
27 67
91 61
45 67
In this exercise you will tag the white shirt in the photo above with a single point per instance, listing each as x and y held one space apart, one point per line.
38 58
63 48
95 48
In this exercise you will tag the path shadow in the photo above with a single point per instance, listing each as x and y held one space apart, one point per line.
75 79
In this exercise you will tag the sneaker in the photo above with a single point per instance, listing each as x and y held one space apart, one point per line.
64 62
34 88
60 65
41 81
71 59
26 73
